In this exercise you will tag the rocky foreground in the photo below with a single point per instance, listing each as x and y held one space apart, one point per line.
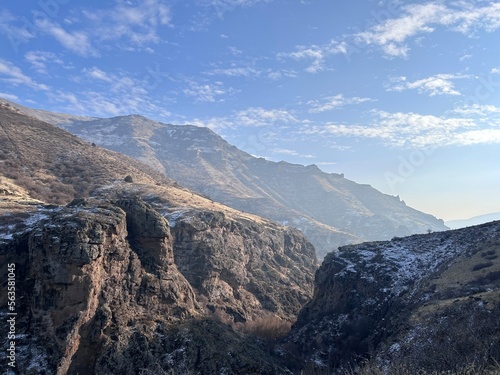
107 287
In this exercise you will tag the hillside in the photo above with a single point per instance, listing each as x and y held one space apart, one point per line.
329 209
127 270
428 302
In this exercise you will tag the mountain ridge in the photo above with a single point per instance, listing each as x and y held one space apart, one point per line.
331 210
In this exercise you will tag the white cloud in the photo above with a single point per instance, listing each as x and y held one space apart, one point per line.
495 71
136 25
119 83
16 77
105 104
403 129
465 57
40 59
286 151
263 117
333 102
77 41
250 117
97 74
318 54
476 137
439 84
207 92
9 96
483 111
417 19
236 72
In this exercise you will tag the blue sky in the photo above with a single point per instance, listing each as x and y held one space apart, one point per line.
404 96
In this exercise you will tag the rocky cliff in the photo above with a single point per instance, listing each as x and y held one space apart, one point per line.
428 302
111 286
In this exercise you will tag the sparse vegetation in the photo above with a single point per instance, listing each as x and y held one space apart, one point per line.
269 327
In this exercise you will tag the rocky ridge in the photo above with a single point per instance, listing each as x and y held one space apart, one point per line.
330 209
414 302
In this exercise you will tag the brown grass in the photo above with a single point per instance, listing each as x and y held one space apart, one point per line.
269 327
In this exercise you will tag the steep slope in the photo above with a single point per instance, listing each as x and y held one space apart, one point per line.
98 292
134 277
54 165
328 208
428 302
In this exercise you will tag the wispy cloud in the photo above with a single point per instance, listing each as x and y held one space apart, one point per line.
250 117
119 83
136 25
97 74
105 104
334 102
393 34
40 59
15 76
404 129
76 41
483 110
235 71
207 92
316 54
439 84
264 117
9 96
288 152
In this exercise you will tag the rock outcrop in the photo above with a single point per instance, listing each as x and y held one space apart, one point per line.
110 286
242 268
430 302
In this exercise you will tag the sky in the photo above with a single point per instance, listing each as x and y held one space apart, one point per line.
404 96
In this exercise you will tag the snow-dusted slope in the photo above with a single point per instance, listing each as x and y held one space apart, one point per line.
394 299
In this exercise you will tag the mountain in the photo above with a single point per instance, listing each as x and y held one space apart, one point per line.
328 208
428 302
476 220
138 275
118 269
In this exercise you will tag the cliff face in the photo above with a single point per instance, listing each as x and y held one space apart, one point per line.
110 287
427 301
241 268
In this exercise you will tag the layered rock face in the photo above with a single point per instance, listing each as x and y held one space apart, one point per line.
109 287
429 302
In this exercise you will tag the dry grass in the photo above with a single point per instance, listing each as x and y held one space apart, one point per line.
268 327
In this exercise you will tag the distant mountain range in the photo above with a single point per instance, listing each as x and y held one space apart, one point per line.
476 220
330 209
